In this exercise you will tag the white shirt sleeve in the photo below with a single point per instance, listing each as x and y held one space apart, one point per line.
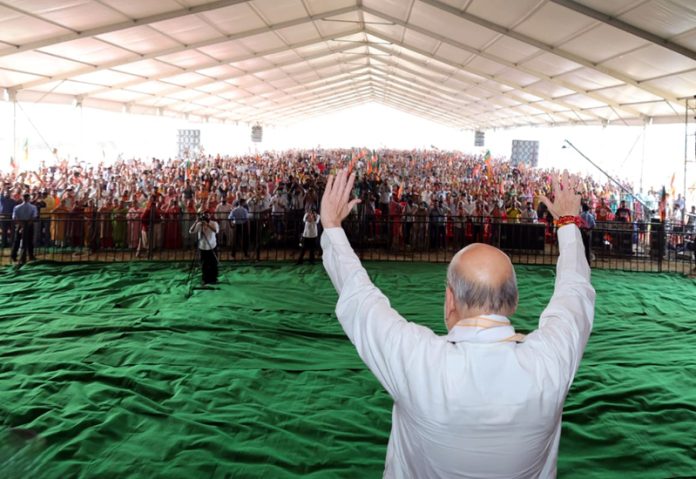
566 323
384 340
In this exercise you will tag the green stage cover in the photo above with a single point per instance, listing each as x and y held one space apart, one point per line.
108 371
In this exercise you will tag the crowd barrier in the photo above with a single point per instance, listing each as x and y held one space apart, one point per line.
651 246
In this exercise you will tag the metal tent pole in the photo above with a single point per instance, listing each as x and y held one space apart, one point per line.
687 108
13 99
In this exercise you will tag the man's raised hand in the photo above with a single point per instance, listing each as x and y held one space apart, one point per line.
336 203
566 201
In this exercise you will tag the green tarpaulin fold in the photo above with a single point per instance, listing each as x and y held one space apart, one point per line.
109 371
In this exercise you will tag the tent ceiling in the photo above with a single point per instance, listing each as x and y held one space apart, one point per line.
464 63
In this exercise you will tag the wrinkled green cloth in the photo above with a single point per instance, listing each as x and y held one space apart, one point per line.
109 371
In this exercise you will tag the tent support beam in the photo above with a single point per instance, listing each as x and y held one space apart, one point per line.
91 32
550 49
205 43
626 27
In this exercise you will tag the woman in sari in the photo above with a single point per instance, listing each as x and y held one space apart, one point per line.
59 218
91 226
147 217
157 226
106 227
120 226
76 225
172 225
133 219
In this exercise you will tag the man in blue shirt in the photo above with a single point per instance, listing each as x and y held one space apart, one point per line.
7 204
24 215
588 225
239 219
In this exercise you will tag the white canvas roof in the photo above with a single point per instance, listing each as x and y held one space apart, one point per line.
464 63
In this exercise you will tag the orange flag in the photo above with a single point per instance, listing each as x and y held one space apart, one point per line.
489 167
672 189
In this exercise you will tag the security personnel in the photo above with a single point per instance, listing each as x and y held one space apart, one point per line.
24 215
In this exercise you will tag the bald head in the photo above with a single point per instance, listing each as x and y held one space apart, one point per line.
482 281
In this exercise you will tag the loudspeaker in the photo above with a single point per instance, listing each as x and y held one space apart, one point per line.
516 236
257 133
188 142
479 138
658 239
624 243
525 151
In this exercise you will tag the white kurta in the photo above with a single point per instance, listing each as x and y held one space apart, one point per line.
469 404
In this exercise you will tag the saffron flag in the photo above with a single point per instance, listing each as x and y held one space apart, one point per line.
672 190
489 167
351 163
663 205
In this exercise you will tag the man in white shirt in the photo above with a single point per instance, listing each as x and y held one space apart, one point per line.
483 401
222 212
279 206
529 214
691 220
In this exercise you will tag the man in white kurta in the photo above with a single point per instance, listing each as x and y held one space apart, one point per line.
480 402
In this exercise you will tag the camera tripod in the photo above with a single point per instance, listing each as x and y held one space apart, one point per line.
20 253
196 260
21 258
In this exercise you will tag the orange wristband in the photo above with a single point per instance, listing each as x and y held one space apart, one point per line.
568 220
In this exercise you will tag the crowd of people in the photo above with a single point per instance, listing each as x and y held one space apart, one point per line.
413 196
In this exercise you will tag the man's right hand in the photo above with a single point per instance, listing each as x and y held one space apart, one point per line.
336 203
566 201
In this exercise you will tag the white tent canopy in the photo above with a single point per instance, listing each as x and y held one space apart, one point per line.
471 64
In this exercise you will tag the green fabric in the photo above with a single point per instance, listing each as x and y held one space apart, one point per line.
108 371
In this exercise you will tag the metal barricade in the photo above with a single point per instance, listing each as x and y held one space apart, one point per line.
127 236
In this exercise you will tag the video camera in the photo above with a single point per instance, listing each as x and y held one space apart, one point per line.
204 217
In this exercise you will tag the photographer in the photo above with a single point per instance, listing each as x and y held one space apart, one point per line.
309 235
207 230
